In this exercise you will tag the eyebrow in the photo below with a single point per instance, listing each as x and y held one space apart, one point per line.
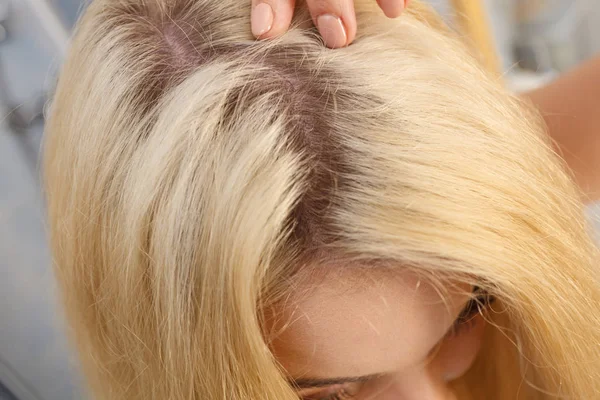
307 383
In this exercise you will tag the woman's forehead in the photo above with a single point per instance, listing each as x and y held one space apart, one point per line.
330 326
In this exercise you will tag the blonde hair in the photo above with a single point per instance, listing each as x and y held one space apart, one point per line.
191 171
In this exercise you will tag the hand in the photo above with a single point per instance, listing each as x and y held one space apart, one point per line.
335 19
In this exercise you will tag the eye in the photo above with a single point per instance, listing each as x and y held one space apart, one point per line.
474 307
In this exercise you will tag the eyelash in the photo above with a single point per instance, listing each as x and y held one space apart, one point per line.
340 395
474 306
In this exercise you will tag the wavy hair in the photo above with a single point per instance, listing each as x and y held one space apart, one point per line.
192 171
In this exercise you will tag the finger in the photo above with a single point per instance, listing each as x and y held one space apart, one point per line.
335 20
392 8
271 18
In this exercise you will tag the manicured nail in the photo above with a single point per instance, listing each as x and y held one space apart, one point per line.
392 8
332 30
262 19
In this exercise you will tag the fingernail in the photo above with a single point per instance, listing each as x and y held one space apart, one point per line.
262 19
332 30
392 8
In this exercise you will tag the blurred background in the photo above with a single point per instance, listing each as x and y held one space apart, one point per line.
529 41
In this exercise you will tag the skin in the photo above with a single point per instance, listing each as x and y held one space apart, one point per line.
392 327
570 106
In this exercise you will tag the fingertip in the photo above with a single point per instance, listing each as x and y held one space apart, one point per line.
335 20
271 18
262 18
349 20
333 31
392 8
